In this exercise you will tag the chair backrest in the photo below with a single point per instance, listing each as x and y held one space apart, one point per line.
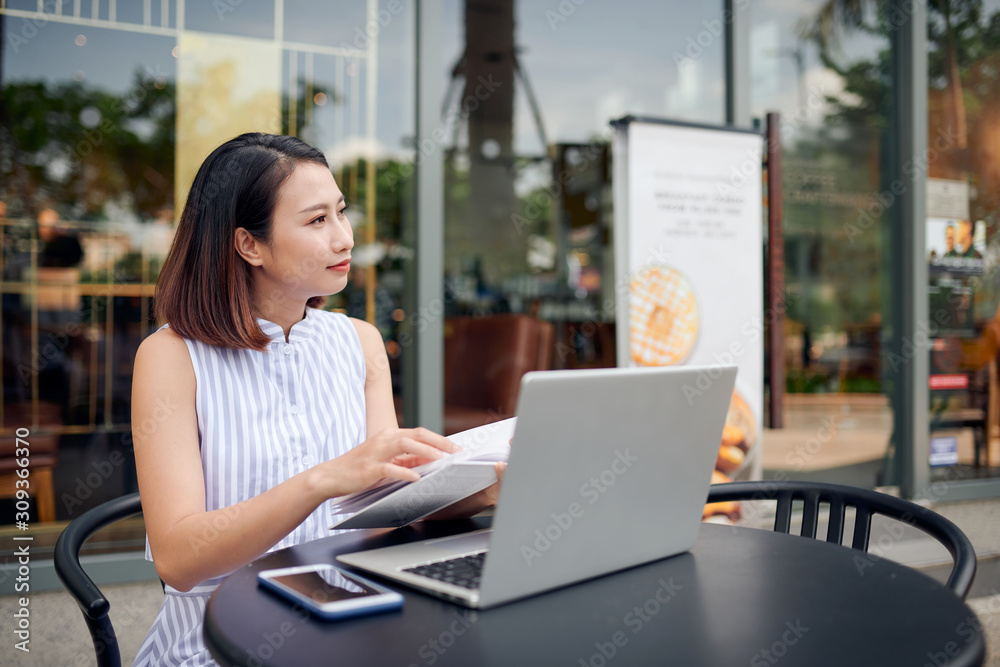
485 358
865 504
93 604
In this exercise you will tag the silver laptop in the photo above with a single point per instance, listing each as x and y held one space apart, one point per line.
609 468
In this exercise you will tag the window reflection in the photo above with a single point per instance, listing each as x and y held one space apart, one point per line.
963 165
100 122
342 24
530 90
829 80
89 157
244 18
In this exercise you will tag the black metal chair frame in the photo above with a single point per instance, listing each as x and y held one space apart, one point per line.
93 604
866 503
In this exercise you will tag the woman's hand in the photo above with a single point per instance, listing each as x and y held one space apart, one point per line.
389 454
475 503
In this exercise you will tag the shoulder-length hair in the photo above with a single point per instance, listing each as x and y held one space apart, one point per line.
203 290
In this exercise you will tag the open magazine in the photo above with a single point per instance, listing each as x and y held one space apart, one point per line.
394 503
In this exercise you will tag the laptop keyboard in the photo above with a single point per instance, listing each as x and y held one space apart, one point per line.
464 571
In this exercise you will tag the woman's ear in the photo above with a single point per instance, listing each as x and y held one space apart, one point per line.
248 247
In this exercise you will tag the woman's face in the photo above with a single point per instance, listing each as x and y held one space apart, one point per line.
309 251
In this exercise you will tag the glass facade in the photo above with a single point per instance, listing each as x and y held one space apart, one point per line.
527 166
827 75
963 217
109 108
531 91
88 160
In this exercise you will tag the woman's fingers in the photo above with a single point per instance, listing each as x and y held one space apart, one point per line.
393 471
431 438
416 449
393 452
410 460
407 460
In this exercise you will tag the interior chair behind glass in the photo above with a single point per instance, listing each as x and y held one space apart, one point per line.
866 504
44 455
93 604
484 359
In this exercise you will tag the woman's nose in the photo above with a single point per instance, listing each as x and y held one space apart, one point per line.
344 238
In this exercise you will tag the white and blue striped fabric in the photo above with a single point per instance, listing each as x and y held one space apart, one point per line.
264 417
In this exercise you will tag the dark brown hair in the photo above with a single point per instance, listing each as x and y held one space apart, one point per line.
204 286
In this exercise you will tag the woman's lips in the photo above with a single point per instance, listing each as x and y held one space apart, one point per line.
343 267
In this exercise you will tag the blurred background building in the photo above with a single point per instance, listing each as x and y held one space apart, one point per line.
472 140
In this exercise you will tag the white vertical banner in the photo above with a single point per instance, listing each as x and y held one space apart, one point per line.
689 256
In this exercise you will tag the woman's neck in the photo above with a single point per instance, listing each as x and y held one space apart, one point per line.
283 313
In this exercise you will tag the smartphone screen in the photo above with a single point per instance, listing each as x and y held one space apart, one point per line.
327 585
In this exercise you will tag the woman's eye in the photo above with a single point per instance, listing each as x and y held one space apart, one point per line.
321 218
343 212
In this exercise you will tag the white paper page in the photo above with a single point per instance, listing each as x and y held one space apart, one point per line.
422 498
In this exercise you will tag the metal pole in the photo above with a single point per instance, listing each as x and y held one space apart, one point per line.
423 359
371 90
775 277
737 65
909 361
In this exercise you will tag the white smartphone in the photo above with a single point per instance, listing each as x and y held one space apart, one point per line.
328 592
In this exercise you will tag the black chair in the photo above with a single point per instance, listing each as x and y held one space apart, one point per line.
866 504
93 604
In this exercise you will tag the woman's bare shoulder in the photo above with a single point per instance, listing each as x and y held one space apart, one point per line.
165 352
371 339
164 340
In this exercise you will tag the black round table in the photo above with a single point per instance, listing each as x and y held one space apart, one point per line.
740 597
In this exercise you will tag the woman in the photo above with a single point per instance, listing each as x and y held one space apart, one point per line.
251 409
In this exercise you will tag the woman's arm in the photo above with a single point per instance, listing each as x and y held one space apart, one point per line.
380 412
190 544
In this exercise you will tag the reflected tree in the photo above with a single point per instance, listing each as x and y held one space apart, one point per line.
964 117
963 46
80 148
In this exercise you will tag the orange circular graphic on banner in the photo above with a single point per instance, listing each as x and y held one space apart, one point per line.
663 317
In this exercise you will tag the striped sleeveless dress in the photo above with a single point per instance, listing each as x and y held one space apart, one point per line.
262 418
